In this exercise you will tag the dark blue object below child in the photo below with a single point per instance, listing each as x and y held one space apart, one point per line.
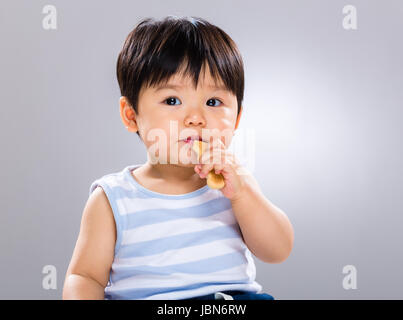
234 295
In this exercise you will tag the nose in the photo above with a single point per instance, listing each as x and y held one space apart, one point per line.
195 120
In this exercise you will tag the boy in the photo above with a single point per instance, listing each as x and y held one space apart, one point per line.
157 230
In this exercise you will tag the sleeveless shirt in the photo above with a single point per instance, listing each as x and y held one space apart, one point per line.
173 246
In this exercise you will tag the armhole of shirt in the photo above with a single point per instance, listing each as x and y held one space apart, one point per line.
116 215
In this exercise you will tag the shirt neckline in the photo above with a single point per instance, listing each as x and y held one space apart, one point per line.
127 173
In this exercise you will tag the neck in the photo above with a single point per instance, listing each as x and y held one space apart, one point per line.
173 173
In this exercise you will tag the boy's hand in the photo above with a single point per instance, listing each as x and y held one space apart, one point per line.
217 158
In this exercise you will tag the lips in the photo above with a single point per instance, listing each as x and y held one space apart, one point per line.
192 138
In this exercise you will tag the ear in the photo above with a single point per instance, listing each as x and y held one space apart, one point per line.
238 118
128 115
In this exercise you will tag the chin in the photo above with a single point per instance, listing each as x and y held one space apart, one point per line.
183 165
188 165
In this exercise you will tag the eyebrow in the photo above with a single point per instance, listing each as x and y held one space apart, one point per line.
178 86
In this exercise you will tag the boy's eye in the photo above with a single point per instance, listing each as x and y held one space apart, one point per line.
213 100
171 101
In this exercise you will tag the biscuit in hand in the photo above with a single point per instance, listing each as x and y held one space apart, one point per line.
214 181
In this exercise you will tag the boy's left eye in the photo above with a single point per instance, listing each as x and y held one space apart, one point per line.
171 101
213 100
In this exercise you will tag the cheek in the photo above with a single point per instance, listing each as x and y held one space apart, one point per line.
155 125
160 134
226 128
222 119
229 121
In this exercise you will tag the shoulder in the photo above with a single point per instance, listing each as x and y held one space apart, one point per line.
98 200
98 211
98 195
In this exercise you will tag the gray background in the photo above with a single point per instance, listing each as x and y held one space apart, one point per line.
325 102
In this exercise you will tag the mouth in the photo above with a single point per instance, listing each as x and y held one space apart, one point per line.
190 139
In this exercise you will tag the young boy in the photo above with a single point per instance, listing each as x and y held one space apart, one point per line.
157 230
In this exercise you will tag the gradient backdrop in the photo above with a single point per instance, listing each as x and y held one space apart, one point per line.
325 104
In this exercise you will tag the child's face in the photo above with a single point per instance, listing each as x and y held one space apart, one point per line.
177 113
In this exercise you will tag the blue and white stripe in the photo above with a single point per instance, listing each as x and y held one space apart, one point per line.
174 246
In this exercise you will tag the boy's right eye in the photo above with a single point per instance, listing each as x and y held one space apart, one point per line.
171 101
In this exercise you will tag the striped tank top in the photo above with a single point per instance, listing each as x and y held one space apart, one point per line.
173 246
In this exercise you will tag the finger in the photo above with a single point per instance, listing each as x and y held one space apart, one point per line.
205 170
213 157
217 166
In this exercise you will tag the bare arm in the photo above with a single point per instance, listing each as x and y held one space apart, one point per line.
88 272
266 229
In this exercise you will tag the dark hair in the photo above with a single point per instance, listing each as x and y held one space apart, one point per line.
155 49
